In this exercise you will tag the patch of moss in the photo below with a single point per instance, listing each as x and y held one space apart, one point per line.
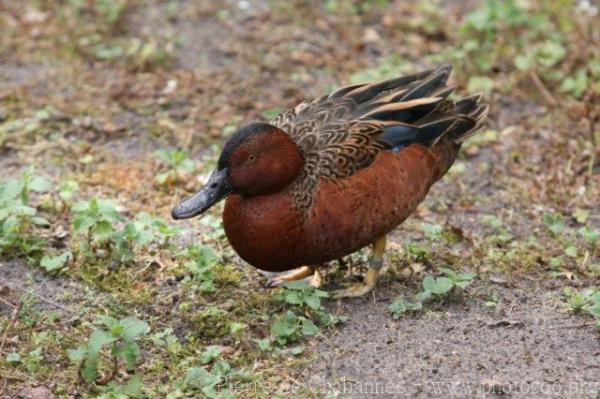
227 275
211 323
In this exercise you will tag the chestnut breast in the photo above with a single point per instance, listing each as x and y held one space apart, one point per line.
348 214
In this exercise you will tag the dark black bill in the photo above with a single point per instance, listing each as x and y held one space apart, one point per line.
214 191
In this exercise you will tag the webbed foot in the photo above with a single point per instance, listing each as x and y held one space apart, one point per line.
358 289
375 264
294 275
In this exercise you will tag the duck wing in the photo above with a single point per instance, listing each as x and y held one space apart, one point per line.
344 131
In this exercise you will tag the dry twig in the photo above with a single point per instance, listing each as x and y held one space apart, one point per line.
543 89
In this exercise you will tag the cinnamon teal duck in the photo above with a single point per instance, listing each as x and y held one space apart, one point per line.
336 174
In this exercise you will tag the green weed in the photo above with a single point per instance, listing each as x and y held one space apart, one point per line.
433 232
586 301
19 219
433 289
578 301
306 309
97 221
53 264
555 222
136 53
109 235
532 39
120 336
502 234
166 339
178 164
201 265
212 382
111 10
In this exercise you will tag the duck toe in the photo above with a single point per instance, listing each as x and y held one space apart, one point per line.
294 275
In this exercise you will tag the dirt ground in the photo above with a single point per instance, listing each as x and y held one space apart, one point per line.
206 69
526 347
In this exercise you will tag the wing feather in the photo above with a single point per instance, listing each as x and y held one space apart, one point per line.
343 132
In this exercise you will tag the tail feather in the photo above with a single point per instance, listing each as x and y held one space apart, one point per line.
370 91
417 109
478 115
436 80
406 112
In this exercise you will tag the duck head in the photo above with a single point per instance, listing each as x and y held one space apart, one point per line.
259 159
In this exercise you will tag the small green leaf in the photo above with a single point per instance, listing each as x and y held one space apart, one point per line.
429 283
77 355
442 286
550 53
51 264
480 83
398 308
451 274
293 298
221 368
24 210
313 302
594 310
211 353
161 178
130 352
13 358
581 215
108 52
108 321
467 276
462 284
99 339
117 330
271 113
67 190
554 222
133 387
82 224
39 221
432 231
555 262
591 236
285 325
237 327
571 251
524 62
34 360
263 344
89 370
40 184
134 328
10 190
423 296
297 350
297 285
197 377
308 327
103 229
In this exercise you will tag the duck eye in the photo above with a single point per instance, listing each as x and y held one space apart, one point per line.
252 158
